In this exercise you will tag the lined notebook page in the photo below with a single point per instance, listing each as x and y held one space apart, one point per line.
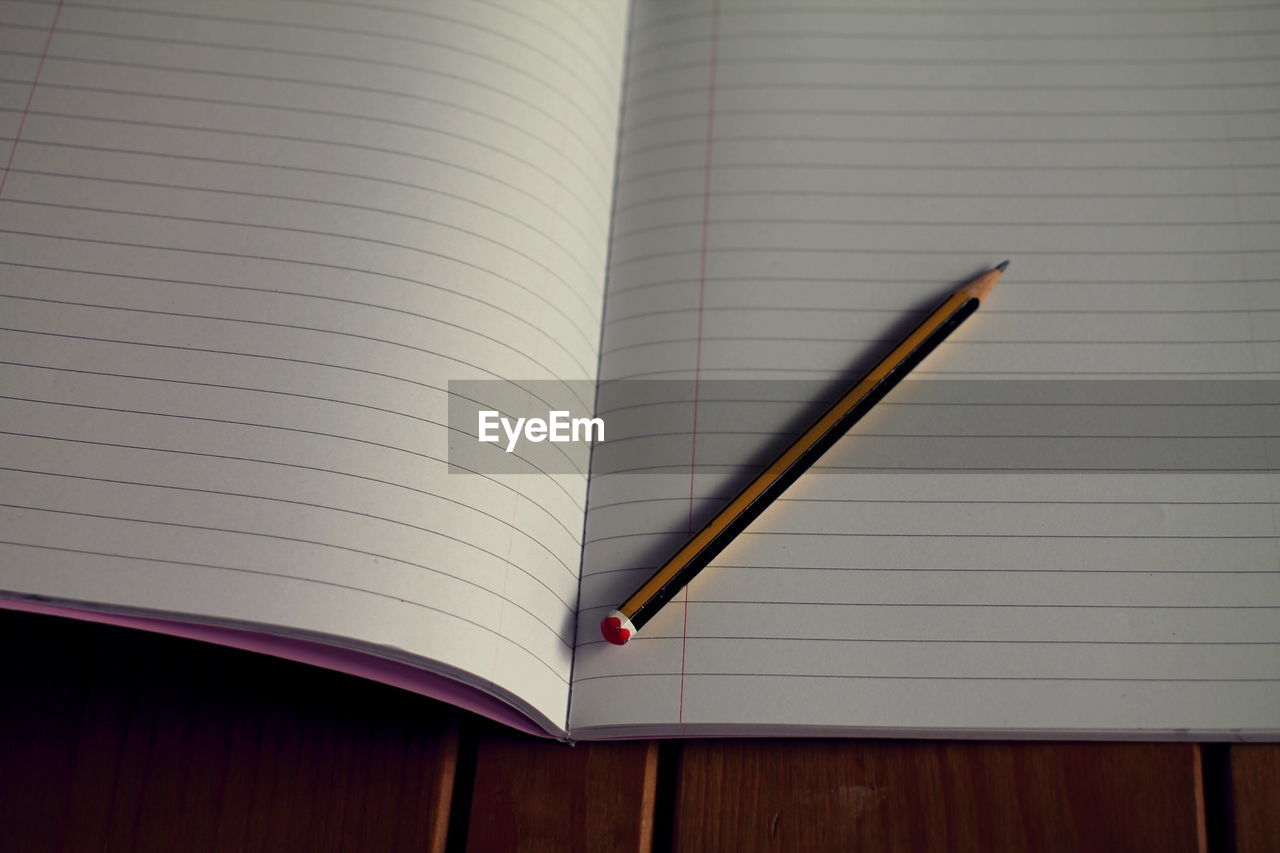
244 248
1067 525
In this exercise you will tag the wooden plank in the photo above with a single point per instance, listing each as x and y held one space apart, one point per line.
118 740
1255 797
532 795
956 796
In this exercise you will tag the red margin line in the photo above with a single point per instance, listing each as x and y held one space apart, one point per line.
702 288
48 40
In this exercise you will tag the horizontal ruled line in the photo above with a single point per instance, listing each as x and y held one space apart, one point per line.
823 250
1069 537
286 168
989 117
890 86
547 173
321 265
916 223
843 284
354 117
988 311
794 62
335 235
485 57
326 507
283 538
920 569
948 10
239 353
978 342
140 558
573 257
272 292
949 640
370 443
286 429
320 84
775 168
755 372
280 464
688 674
851 195
575 17
783 499
1024 36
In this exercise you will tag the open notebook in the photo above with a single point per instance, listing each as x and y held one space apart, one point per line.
247 247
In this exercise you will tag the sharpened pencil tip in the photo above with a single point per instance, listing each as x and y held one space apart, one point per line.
979 287
1003 265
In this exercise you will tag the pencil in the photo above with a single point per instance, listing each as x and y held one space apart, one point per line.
619 626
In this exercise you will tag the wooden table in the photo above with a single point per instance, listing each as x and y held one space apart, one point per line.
113 740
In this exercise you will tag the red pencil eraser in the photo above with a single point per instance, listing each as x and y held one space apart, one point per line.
616 628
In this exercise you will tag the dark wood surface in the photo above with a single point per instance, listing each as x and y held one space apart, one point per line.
115 740
945 796
1254 797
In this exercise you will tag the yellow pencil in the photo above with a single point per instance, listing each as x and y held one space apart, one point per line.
632 614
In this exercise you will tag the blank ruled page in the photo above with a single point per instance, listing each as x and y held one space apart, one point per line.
244 247
1066 522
